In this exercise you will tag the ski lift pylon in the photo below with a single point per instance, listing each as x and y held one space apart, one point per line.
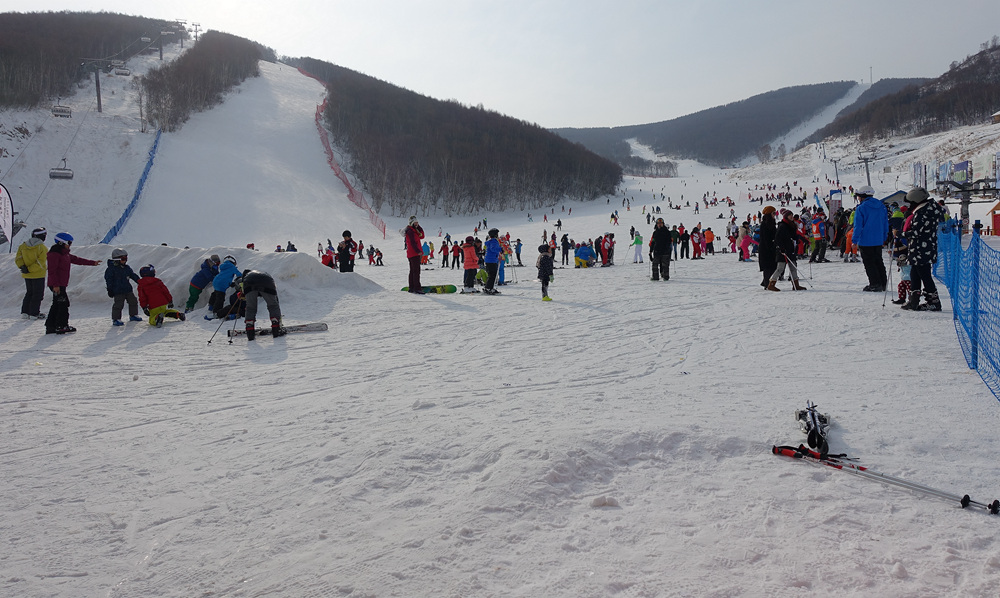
61 172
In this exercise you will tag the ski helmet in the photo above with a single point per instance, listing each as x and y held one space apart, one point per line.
232 260
118 253
864 191
64 238
216 259
147 271
39 233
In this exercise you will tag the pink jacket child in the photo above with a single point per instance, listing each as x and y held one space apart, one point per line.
58 262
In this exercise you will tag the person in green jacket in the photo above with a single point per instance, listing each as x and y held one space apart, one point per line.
637 243
31 261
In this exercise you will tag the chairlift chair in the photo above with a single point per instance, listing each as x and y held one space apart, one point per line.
123 71
61 172
62 111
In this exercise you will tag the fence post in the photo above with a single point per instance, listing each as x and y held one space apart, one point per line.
974 301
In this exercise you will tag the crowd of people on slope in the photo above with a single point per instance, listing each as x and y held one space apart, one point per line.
40 265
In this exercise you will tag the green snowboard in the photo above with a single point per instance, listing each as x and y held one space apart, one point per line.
438 289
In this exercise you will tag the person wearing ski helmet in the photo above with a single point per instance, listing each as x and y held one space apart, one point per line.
117 278
922 249
58 260
202 278
155 298
31 260
346 250
220 284
260 285
492 259
660 245
871 230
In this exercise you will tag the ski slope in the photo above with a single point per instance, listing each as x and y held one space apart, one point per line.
614 442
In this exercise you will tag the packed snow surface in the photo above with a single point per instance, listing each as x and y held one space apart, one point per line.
613 442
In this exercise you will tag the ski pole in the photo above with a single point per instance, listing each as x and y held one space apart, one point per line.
223 318
889 284
803 452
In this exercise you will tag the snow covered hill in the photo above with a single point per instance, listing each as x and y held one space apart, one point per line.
613 442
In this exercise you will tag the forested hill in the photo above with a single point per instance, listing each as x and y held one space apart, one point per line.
414 153
969 93
719 136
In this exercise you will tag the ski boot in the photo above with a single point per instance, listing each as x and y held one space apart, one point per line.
932 302
276 329
913 301
134 319
251 329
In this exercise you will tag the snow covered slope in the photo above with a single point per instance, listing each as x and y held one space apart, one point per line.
613 442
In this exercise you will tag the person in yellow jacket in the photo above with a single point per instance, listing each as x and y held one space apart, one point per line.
31 260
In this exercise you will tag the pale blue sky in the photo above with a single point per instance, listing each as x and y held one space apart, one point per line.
585 63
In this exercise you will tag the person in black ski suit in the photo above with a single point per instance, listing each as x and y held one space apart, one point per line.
766 253
257 285
784 243
922 249
659 251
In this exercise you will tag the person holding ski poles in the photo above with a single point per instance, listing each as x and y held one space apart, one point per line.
784 243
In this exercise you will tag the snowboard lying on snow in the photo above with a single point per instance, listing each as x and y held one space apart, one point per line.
314 327
441 288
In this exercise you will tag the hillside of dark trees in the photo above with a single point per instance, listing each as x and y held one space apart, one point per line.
415 153
198 79
41 53
722 135
969 93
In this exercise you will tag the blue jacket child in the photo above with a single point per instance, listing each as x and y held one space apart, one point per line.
220 284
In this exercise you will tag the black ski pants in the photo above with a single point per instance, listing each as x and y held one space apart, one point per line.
871 256
661 266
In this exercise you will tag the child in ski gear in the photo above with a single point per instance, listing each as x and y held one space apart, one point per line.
117 277
584 256
58 261
222 281
899 254
471 265
492 259
414 252
346 250
260 285
154 298
31 260
206 273
544 265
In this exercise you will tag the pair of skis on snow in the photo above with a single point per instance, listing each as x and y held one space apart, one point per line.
815 426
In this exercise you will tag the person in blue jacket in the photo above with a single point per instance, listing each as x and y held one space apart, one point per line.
492 259
871 229
204 277
584 256
222 281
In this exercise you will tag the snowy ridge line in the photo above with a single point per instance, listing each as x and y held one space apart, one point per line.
120 224
353 194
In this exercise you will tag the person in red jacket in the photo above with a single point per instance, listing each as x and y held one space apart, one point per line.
154 298
58 262
414 253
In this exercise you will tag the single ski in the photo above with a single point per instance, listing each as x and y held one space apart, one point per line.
435 289
295 328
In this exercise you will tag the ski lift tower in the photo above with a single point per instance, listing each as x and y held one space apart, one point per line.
866 157
162 34
92 65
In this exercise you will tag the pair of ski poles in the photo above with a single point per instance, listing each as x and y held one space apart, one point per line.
803 452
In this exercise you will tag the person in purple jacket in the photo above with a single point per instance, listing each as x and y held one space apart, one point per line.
58 261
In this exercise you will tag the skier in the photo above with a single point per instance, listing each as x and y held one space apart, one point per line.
260 285
922 249
222 281
544 265
154 298
871 229
659 251
31 260
117 277
784 243
58 261
492 259
637 243
346 250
